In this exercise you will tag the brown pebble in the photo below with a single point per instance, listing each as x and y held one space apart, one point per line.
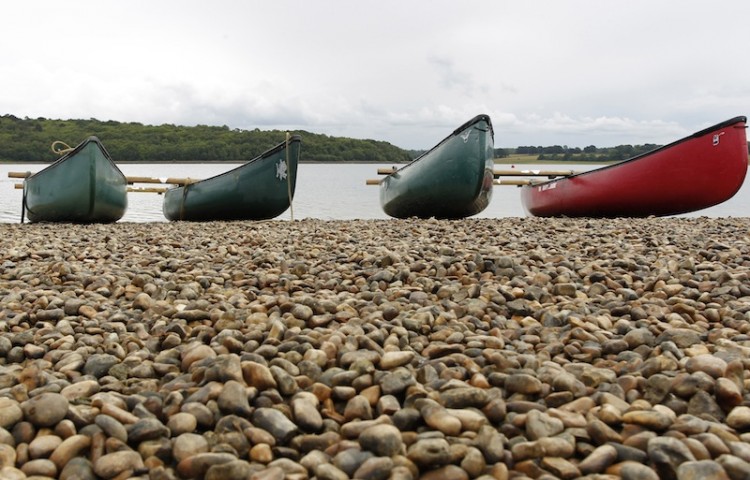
69 448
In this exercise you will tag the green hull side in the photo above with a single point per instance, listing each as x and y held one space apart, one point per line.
452 180
257 190
84 186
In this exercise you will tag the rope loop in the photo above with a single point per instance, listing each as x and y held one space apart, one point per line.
61 151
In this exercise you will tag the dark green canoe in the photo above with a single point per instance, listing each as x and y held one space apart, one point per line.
82 186
452 180
260 189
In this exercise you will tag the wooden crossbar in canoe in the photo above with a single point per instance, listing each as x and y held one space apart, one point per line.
147 189
533 173
131 180
19 174
19 186
170 180
516 182
509 173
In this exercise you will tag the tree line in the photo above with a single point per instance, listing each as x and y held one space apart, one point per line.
586 154
29 140
577 154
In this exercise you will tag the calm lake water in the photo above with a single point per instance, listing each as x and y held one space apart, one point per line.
324 191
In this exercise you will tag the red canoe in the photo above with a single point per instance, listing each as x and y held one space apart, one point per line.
697 172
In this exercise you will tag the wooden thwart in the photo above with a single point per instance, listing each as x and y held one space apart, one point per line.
533 173
170 180
19 186
509 173
131 180
516 182
19 174
147 189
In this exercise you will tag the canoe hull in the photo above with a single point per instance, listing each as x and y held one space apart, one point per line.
452 180
83 186
257 190
696 172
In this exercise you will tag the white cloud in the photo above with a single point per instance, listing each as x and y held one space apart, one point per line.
578 72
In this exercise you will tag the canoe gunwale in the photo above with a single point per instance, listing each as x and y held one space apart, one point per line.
77 149
475 120
726 123
266 154
448 181
187 210
93 158
666 181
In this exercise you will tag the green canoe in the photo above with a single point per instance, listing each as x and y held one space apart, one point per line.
82 186
452 180
257 190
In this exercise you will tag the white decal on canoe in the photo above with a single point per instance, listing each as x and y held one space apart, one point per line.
716 138
281 170
465 135
547 186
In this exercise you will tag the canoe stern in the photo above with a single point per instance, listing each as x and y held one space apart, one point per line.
83 186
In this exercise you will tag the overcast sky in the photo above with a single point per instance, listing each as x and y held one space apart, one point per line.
572 72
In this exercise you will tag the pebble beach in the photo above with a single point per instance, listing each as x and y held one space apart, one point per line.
512 348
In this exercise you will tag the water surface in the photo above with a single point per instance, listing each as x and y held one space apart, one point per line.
324 191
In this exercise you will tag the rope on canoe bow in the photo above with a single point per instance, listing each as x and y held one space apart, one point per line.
61 151
289 179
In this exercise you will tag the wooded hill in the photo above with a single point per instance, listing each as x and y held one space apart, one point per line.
590 154
29 140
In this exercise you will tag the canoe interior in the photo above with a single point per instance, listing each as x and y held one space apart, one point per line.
260 189
452 180
83 186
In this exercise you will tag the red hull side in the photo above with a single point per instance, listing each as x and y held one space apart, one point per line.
696 172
